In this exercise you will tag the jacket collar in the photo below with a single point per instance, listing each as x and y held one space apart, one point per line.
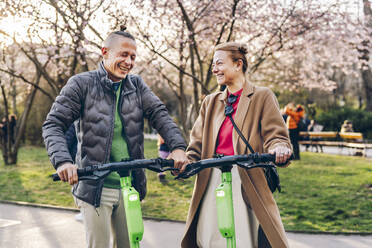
248 90
242 110
128 86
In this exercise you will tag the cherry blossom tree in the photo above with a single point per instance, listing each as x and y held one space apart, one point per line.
326 57
59 42
174 32
291 44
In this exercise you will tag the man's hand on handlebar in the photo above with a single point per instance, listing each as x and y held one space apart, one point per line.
180 160
68 173
282 155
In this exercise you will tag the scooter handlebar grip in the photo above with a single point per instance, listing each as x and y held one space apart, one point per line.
80 172
263 158
268 157
168 163
56 177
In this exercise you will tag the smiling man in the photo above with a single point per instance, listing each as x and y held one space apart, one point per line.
108 107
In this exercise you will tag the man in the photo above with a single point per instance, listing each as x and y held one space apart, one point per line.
110 105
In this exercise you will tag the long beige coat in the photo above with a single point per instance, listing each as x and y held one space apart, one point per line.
259 119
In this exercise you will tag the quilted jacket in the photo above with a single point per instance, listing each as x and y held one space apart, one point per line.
89 97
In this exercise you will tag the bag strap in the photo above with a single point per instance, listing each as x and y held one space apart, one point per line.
240 133
272 170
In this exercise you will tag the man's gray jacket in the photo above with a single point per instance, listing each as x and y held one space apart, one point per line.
89 97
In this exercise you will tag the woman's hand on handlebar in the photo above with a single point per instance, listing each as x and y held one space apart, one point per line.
68 173
282 155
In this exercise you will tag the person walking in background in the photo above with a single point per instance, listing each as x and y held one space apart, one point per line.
314 127
4 130
12 127
295 114
8 129
284 115
256 113
163 152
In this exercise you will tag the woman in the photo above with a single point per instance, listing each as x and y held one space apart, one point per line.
295 115
256 113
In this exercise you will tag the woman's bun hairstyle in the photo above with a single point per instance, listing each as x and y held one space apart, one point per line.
237 50
123 28
243 49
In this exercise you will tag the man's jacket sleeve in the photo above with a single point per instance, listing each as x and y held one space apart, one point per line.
64 111
157 114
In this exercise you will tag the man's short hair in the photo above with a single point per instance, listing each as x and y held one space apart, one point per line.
114 35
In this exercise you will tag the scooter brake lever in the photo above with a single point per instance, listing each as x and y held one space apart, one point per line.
155 167
171 169
96 175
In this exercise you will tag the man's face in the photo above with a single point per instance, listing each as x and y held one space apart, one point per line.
118 59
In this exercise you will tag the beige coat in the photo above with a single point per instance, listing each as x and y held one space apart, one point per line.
259 119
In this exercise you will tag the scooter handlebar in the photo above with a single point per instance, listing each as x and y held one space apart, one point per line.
246 161
95 172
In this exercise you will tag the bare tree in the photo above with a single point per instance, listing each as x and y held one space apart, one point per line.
191 30
179 35
55 55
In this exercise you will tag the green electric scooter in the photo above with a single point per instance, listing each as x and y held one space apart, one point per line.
224 200
131 197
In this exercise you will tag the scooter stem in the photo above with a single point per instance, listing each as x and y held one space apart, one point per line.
225 208
133 211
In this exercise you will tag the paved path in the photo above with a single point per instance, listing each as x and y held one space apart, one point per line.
32 227
338 151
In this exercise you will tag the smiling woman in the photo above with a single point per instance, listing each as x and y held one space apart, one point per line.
256 113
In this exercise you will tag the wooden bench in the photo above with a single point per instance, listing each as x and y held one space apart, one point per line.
328 138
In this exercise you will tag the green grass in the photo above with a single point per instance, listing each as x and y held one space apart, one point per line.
319 193
327 193
29 180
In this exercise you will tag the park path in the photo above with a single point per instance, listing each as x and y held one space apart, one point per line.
23 226
338 151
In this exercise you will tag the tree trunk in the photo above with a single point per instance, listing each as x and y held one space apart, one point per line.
10 156
194 82
13 156
182 106
13 91
6 146
182 96
5 155
14 97
366 69
11 145
367 83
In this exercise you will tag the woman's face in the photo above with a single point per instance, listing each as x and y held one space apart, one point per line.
224 68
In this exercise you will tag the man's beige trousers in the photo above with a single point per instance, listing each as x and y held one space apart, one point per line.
105 226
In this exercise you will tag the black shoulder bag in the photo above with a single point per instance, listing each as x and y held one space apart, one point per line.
271 174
